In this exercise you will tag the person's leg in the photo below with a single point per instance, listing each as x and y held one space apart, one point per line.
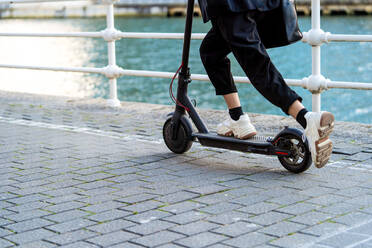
298 112
240 31
213 52
232 100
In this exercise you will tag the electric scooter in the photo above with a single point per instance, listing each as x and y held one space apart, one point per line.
291 150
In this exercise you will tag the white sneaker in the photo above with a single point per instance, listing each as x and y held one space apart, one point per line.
318 128
241 129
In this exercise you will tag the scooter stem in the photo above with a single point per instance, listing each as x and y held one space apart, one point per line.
187 36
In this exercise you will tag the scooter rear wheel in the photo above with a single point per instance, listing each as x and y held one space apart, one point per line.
183 142
300 160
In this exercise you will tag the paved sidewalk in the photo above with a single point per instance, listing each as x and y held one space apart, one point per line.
75 173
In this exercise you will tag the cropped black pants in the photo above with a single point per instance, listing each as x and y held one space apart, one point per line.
237 33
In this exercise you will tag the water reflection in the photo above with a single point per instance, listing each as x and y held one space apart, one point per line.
45 52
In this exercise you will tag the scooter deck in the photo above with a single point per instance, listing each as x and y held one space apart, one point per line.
257 144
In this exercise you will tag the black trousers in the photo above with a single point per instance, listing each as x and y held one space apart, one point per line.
237 33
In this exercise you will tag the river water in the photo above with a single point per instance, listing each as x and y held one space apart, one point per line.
340 61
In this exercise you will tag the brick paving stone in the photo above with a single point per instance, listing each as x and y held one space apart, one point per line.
298 208
155 172
65 206
150 227
71 237
269 218
127 178
109 215
312 218
360 156
296 240
278 189
282 229
339 208
163 188
169 246
5 221
37 244
289 199
194 227
177 197
362 201
29 236
162 178
137 198
103 207
158 238
146 159
28 225
367 210
325 228
220 246
126 245
17 199
128 191
25 199
251 199
94 177
201 240
208 189
147 216
363 229
220 208
344 239
363 245
320 246
65 198
71 225
5 212
112 238
229 217
80 244
142 206
236 229
94 185
352 219
27 215
215 198
66 216
182 207
99 191
259 208
5 243
4 232
29 206
327 200
352 192
340 184
243 191
186 217
111 226
248 240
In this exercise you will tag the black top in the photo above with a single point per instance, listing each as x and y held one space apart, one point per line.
214 8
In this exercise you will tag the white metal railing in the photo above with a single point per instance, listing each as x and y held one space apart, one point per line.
315 83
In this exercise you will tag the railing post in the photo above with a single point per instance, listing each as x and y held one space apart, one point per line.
316 60
113 100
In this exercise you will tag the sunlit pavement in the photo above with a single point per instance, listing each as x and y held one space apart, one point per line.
75 173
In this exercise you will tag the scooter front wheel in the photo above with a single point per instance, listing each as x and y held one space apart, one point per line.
300 159
183 141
